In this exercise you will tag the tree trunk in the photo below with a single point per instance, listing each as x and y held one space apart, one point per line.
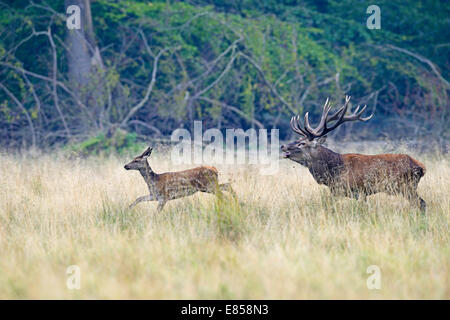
84 60
81 44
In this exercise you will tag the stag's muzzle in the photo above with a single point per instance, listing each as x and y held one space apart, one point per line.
284 148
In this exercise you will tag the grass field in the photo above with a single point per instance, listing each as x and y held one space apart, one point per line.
288 238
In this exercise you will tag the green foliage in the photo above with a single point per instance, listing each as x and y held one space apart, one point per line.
120 142
306 50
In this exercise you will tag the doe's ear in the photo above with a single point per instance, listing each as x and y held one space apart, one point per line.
147 152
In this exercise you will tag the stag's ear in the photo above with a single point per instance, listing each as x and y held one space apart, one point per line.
321 140
147 152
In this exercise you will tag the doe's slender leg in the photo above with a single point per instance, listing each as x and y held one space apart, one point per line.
227 188
140 199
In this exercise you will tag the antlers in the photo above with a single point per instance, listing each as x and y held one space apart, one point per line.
322 129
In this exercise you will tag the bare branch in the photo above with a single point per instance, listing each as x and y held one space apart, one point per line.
224 72
234 109
27 115
33 92
148 126
59 83
271 87
421 59
54 81
149 88
210 66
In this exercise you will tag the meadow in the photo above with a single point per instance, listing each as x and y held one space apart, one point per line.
286 237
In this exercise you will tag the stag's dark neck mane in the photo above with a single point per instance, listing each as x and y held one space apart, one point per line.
325 166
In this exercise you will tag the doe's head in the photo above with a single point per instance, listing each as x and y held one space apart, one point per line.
140 162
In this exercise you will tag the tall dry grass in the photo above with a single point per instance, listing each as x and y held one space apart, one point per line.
287 238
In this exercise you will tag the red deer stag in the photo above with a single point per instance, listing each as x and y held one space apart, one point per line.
352 175
172 185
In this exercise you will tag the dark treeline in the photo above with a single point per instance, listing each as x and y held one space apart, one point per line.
146 68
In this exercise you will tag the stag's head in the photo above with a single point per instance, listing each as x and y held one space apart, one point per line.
308 147
140 162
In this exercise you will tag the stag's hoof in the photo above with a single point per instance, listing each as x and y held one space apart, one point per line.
422 205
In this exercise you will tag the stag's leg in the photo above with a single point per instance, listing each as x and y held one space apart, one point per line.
361 196
410 192
140 199
422 205
416 200
419 202
161 205
357 194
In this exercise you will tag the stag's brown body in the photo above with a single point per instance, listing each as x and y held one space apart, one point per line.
172 185
358 174
382 173
354 175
